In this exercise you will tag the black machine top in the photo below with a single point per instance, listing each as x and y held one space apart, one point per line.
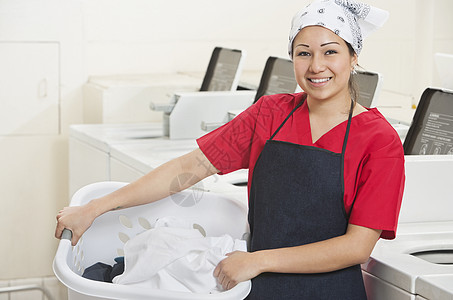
223 70
368 84
431 130
277 77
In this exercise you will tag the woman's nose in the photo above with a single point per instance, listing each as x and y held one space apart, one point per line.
317 64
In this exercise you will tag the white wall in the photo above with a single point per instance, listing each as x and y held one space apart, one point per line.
105 37
33 170
143 36
403 50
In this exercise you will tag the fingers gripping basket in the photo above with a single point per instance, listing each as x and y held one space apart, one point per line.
104 240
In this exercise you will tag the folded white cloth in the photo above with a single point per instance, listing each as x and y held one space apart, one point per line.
175 256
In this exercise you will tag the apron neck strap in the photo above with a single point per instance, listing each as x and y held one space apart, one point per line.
289 115
345 140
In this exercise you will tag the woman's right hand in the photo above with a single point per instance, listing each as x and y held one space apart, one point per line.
75 218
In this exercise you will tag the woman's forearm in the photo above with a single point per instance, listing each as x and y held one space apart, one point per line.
329 255
157 184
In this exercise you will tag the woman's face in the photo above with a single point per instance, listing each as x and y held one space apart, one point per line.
322 63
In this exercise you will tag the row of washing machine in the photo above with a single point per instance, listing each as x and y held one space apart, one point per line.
418 264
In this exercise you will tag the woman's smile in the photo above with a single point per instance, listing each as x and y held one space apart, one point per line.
318 82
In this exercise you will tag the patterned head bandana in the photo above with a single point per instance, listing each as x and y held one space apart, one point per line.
350 20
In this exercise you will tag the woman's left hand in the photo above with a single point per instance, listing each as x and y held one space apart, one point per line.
237 267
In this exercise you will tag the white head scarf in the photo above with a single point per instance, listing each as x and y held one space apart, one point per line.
350 20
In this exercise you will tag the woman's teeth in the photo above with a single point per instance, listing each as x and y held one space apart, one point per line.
319 80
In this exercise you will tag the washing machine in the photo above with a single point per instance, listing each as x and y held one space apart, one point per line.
404 268
396 267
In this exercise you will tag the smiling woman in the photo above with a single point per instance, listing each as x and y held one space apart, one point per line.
326 176
315 161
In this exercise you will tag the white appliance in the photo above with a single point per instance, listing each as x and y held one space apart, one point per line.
418 262
396 267
90 144
125 98
402 268
183 116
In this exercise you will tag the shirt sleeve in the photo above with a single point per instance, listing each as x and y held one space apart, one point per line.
380 191
228 148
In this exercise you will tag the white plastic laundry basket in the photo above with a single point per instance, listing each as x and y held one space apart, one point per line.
104 240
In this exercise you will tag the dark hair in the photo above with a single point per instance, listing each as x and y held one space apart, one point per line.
352 84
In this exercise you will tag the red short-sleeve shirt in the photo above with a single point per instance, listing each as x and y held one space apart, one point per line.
374 157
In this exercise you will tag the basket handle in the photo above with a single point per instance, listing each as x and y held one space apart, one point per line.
67 234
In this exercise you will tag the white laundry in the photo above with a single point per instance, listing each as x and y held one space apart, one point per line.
175 256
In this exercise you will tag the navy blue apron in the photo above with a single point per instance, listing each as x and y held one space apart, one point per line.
296 198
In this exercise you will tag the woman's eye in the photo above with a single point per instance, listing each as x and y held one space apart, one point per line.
329 52
303 53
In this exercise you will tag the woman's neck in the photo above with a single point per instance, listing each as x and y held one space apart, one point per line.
330 107
325 115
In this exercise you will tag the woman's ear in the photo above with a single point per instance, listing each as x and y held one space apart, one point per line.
354 61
